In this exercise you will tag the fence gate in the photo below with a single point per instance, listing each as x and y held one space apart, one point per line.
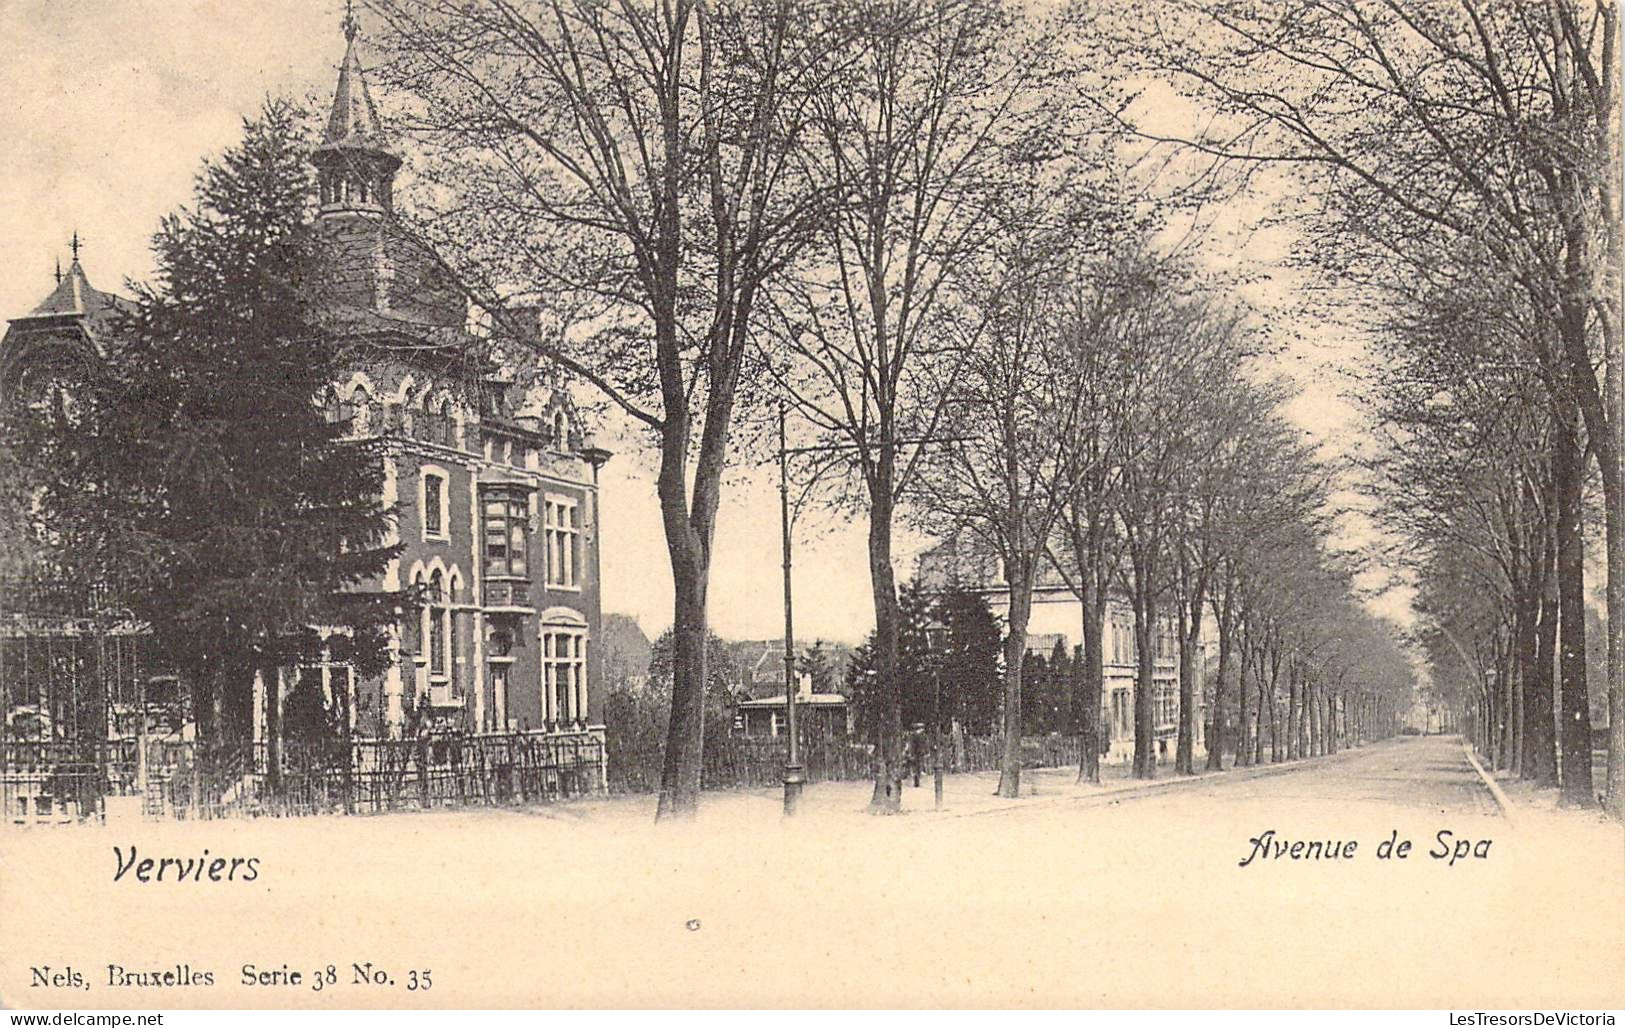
70 691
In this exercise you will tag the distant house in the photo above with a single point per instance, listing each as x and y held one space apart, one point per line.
624 650
1042 644
765 673
1056 616
760 663
823 714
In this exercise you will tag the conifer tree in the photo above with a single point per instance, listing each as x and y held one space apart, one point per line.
815 664
199 472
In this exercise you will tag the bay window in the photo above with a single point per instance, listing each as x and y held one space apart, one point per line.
505 517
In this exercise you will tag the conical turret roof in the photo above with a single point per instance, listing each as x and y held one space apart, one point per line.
75 297
353 123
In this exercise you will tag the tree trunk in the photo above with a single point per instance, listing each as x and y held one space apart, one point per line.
273 729
685 733
1334 701
1511 691
1294 747
1602 411
1575 711
1500 697
1311 696
1015 652
1216 735
1185 747
1094 677
1539 745
1328 720
1188 625
205 690
1613 480
1524 665
887 797
1610 432
1258 718
1274 717
1306 724
1614 530
1244 733
1145 757
203 685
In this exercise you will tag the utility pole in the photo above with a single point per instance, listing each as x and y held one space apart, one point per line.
937 652
793 777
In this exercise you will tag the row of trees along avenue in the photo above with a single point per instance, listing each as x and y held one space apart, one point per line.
1114 428
913 223
1461 166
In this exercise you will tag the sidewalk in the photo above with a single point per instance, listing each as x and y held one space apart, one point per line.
1527 801
963 795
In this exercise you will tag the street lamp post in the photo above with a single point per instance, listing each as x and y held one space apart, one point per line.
793 777
936 721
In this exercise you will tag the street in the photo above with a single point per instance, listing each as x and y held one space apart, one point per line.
1427 775
1057 899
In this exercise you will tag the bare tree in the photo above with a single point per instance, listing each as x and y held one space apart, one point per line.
924 140
1229 408
632 174
1010 406
1188 342
1430 125
1481 472
1104 314
1258 481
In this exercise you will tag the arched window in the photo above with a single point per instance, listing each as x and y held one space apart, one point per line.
412 627
453 589
423 420
448 429
561 431
361 410
438 615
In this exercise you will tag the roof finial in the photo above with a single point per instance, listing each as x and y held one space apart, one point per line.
59 269
74 246
350 27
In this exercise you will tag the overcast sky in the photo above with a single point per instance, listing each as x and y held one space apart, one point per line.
110 107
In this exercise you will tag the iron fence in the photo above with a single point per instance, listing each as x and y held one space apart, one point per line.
364 776
735 761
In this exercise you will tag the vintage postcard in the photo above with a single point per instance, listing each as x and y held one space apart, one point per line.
540 504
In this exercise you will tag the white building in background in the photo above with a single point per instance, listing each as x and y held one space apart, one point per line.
1057 613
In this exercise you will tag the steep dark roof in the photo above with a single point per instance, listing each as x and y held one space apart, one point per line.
75 298
353 123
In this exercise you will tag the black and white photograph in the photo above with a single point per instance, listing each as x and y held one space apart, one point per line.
813 505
